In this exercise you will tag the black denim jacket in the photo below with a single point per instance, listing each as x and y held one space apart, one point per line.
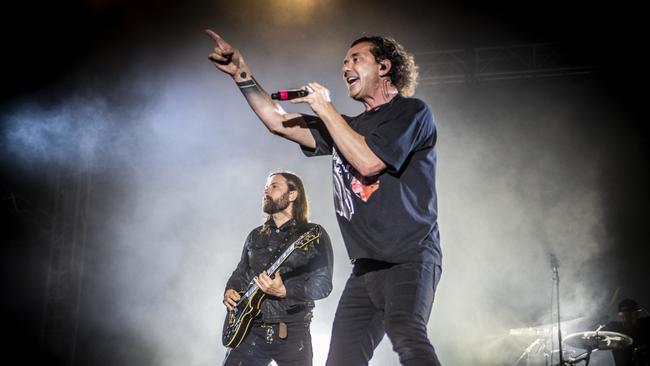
307 275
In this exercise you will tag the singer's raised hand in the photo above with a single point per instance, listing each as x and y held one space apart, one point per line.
225 57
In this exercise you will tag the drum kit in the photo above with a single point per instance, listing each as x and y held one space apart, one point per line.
580 345
588 342
584 343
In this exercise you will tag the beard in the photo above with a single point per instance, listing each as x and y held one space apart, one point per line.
271 207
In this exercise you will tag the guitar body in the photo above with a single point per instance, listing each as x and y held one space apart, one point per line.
239 319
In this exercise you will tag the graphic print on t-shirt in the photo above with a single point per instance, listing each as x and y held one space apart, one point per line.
364 187
342 196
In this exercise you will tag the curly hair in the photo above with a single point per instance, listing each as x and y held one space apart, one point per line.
404 72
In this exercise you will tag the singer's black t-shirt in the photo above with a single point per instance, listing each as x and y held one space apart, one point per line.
391 217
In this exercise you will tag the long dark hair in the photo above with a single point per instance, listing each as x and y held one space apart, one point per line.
403 73
300 209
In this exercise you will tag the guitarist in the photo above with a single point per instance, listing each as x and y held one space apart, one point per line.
281 331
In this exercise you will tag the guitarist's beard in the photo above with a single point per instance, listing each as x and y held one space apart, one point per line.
272 207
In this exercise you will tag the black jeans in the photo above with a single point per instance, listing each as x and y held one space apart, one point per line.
262 345
395 301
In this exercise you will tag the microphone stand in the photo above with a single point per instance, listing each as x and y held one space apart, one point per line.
556 279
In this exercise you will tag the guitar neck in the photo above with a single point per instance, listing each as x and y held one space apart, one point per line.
252 287
278 262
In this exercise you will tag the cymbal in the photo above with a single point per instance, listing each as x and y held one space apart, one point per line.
603 340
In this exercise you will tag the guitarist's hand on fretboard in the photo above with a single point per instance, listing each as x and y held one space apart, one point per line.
271 286
230 298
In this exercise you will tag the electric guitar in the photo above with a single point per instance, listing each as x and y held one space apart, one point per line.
239 319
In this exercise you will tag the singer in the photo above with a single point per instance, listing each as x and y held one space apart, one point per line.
383 164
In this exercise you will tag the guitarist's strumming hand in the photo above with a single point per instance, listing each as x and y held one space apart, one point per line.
230 298
271 286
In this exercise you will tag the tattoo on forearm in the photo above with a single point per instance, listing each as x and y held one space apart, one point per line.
250 88
243 75
246 84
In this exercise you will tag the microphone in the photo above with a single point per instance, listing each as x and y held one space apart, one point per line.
289 94
554 262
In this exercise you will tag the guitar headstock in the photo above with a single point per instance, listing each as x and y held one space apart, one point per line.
309 238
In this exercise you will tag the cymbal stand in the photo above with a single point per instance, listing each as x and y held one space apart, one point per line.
583 357
587 355
529 350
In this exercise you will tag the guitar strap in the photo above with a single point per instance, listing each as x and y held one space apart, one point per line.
283 331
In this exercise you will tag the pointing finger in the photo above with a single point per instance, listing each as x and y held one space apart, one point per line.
215 37
218 40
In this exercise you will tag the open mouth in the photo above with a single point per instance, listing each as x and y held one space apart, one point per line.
352 80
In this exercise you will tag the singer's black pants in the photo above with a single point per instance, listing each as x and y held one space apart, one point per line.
394 300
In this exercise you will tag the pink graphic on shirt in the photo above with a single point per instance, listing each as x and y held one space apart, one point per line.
364 190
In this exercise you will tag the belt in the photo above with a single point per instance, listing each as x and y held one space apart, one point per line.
290 311
262 324
269 330
365 265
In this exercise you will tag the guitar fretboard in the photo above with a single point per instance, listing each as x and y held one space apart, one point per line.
303 240
281 259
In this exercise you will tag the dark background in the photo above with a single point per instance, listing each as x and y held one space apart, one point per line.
45 43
